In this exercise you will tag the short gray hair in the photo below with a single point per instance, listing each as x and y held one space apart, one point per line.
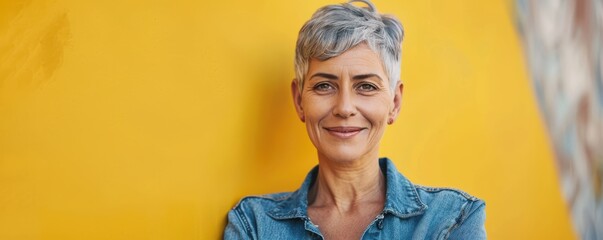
334 29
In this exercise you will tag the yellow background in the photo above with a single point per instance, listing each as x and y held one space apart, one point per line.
150 119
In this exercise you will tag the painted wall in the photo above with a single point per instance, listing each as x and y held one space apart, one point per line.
150 119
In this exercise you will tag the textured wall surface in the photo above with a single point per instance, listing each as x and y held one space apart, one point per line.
150 119
563 42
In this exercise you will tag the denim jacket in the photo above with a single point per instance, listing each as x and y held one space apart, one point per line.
410 212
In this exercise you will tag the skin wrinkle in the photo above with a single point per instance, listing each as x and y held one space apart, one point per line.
350 90
361 193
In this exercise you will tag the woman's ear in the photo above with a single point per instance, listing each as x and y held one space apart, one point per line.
295 92
397 103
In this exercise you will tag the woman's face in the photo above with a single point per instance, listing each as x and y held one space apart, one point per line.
346 102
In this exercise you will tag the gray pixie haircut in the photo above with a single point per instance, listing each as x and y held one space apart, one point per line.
334 29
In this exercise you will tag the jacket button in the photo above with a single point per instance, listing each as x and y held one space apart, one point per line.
380 224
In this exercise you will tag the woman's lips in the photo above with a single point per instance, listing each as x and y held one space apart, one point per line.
344 132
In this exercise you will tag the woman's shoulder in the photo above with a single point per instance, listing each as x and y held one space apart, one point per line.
251 212
444 193
431 197
466 212
445 199
265 203
264 200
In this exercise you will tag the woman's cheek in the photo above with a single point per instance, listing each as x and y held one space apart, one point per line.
376 110
316 107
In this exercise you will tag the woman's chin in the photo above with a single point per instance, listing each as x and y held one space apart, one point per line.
341 156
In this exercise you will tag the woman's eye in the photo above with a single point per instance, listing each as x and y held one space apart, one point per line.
323 87
365 87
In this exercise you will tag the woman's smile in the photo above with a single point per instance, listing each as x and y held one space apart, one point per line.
344 132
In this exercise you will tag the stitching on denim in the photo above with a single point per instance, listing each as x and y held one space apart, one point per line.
411 192
457 221
243 219
440 189
416 197
266 197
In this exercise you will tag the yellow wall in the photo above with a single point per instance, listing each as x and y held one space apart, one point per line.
150 119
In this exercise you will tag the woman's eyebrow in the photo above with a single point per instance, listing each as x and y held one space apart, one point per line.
356 77
325 75
365 76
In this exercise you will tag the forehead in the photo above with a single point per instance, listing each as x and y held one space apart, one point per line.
360 59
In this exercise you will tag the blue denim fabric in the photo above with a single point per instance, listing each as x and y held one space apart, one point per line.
410 212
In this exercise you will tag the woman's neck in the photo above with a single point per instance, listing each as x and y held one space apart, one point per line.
347 185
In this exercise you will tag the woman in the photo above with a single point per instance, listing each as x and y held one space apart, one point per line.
346 91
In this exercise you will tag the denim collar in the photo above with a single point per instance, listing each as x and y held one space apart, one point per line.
401 197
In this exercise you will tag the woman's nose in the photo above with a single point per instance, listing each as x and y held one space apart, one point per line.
344 105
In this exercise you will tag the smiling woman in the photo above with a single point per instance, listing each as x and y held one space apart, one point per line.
347 90
346 104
